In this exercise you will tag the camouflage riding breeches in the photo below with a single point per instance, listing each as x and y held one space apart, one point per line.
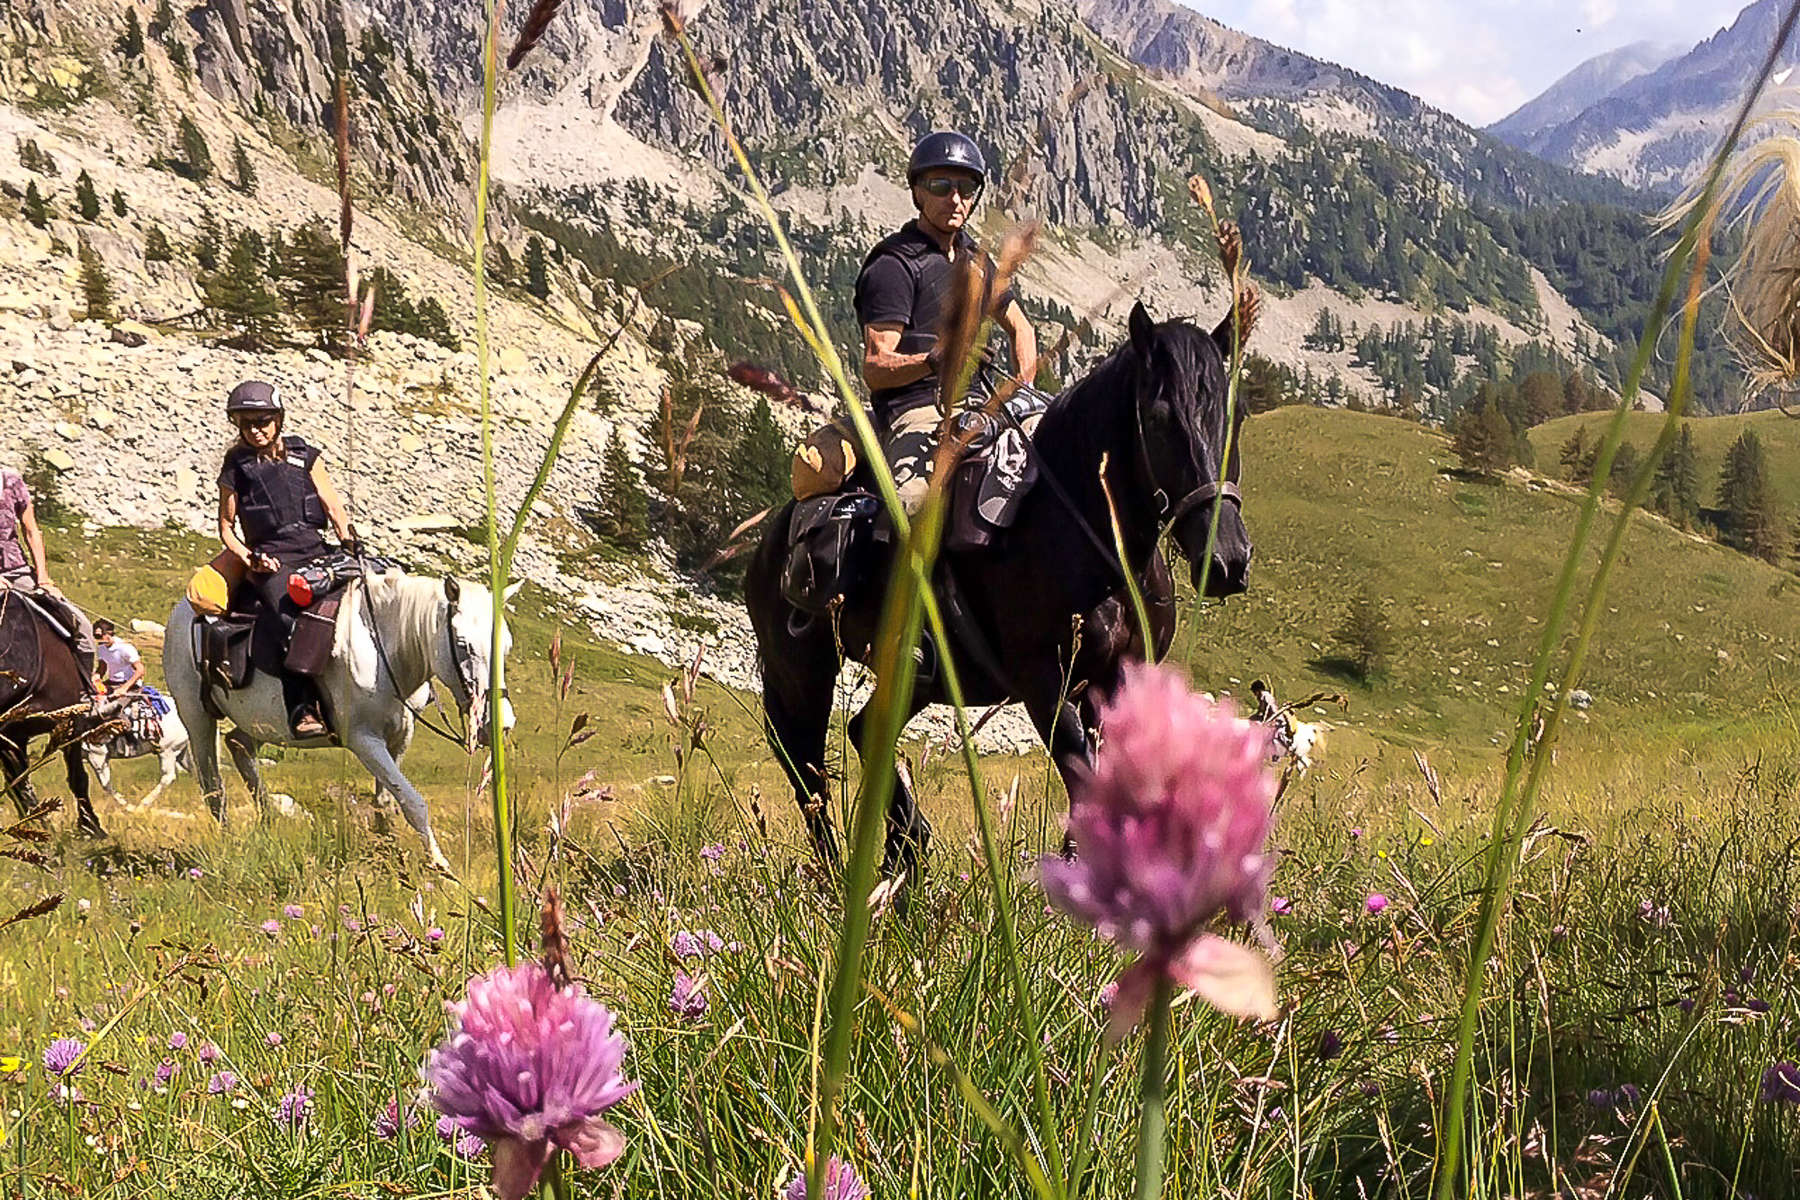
911 449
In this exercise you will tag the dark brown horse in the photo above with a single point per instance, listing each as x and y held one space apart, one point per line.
1045 600
41 695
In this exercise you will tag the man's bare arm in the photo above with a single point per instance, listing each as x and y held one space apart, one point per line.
883 364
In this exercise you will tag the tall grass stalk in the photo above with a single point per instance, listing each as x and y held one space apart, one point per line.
1514 807
496 697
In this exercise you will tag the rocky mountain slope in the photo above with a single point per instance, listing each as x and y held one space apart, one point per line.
1586 85
1658 130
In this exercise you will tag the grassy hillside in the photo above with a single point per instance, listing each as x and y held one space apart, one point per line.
1780 436
1337 500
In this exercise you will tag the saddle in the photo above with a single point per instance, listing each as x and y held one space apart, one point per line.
836 531
230 648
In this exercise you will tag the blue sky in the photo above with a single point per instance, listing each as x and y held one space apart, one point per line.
1478 59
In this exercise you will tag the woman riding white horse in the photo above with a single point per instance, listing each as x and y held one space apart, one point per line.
395 634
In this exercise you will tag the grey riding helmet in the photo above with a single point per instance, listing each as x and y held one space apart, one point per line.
945 148
253 395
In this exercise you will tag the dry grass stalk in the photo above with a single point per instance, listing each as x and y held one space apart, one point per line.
536 21
1762 286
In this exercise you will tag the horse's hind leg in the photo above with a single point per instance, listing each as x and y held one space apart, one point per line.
100 761
169 759
75 762
797 719
242 748
908 832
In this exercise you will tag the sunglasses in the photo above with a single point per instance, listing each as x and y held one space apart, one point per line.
257 422
942 185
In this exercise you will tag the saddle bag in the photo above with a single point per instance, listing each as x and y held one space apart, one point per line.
224 650
831 541
989 485
314 631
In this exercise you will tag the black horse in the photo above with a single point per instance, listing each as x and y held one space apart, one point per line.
1046 600
41 695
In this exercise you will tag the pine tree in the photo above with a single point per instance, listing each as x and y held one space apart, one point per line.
96 288
162 20
1676 492
434 323
87 200
211 242
131 42
118 203
1577 457
241 297
1746 498
1760 528
242 167
1626 461
1364 634
196 157
156 246
37 209
1483 439
312 281
624 518
537 270
762 465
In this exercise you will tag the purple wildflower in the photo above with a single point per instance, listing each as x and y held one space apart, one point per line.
196 873
1375 903
529 1069
388 1121
688 999
273 1039
696 943
1655 914
841 1183
293 912
272 927
222 1084
1330 1044
293 1109
1781 1083
1281 906
434 935
165 1071
713 853
1171 824
209 1053
178 1040
60 1056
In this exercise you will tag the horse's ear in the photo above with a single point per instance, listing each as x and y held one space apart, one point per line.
452 589
512 589
1143 330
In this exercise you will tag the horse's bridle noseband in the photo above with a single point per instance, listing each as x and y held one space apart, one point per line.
1207 491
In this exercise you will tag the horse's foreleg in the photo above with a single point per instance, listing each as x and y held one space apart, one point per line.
203 746
75 763
100 761
796 726
372 750
242 748
1063 728
14 763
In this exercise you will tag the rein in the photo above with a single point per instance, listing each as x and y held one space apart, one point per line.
418 714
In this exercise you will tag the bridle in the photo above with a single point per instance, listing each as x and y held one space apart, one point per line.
1168 514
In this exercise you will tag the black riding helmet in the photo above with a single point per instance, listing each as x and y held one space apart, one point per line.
945 148
253 395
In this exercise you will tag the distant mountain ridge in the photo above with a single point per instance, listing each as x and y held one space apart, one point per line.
1586 85
1658 130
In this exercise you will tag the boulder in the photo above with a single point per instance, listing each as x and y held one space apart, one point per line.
411 443
512 361
68 432
59 459
132 333
101 417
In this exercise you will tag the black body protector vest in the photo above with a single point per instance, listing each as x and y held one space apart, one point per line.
929 269
278 504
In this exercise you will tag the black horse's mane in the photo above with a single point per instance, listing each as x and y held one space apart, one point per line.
1192 375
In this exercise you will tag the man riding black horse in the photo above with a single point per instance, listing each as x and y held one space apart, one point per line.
900 302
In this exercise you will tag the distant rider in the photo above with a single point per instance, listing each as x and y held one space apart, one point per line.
275 488
19 534
900 300
121 666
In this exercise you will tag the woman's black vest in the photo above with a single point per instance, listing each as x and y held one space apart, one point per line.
277 503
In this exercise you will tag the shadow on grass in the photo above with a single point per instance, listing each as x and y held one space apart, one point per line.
1340 668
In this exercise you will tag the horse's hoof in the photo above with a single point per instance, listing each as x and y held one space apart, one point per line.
92 832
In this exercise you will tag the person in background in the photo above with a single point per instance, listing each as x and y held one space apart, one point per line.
25 567
121 666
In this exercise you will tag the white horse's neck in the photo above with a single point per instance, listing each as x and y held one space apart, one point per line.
408 617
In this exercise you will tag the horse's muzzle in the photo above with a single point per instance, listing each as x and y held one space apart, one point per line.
1229 575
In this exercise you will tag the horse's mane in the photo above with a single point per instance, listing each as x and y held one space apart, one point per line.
1185 354
411 606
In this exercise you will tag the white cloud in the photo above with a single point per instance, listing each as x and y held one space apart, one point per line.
1477 60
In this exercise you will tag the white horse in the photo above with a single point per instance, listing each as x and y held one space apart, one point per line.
171 751
395 634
